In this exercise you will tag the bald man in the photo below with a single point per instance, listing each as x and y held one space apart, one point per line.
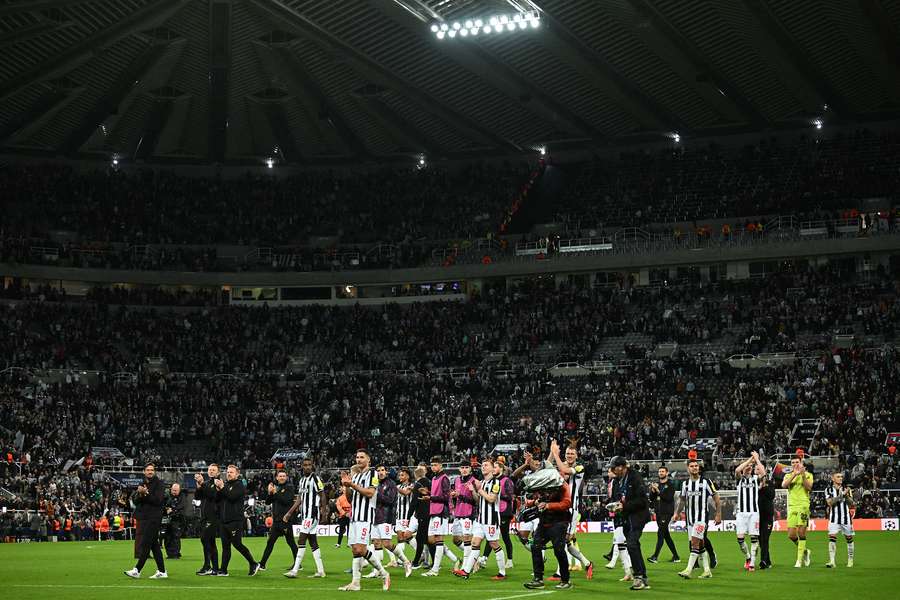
175 514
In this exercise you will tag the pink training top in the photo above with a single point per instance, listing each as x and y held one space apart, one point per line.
440 496
465 501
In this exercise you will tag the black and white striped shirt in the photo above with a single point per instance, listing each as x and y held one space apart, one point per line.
362 507
308 489
748 494
696 494
839 513
576 483
489 512
403 502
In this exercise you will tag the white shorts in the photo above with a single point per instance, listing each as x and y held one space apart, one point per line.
360 533
834 529
462 526
413 524
573 525
619 535
309 526
490 533
401 526
382 531
438 526
528 525
747 522
697 530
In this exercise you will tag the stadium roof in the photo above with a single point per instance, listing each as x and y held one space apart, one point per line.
319 81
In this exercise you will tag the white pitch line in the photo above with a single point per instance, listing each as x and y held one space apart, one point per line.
523 595
262 588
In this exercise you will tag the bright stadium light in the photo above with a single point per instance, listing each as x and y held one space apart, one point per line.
818 123
496 24
676 137
270 162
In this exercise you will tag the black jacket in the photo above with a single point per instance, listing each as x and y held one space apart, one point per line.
210 506
418 507
176 503
151 507
232 498
664 500
632 489
767 500
281 501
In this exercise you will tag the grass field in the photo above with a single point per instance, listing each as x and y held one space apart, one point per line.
94 570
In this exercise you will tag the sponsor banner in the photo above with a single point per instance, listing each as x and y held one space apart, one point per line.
892 438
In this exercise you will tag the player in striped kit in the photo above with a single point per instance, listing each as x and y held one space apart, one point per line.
362 486
311 503
619 548
487 522
694 498
840 501
748 474
573 473
404 504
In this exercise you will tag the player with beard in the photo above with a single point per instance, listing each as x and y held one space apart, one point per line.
362 485
404 512
438 515
312 505
487 522
385 516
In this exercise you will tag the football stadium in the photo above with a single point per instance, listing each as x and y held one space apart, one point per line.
449 298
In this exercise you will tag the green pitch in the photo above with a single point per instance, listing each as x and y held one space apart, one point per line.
93 570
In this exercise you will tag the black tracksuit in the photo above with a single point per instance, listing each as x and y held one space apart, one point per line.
210 523
149 511
420 509
766 521
232 511
636 514
281 502
665 509
175 526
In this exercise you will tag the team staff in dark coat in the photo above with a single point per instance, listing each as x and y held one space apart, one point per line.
175 515
281 497
766 519
231 494
149 503
210 521
662 494
633 505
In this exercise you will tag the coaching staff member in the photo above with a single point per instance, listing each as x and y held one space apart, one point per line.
281 497
766 519
555 514
231 493
149 501
663 494
633 505
210 522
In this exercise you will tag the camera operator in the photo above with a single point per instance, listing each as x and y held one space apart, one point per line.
633 506
175 527
554 515
149 500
